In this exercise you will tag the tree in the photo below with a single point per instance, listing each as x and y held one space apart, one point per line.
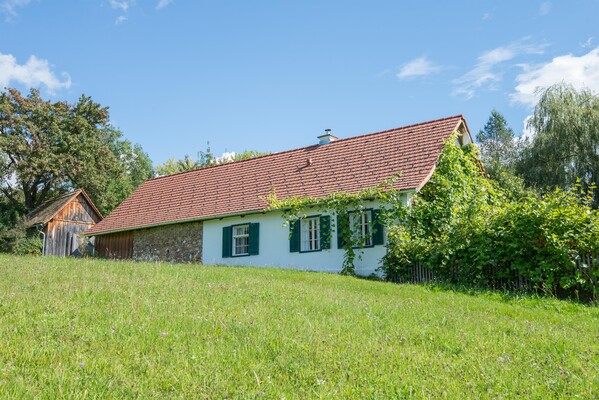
133 167
205 159
48 147
565 145
497 146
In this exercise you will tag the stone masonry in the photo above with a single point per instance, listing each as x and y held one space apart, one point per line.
180 243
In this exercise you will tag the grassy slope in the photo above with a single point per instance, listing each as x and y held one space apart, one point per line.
88 328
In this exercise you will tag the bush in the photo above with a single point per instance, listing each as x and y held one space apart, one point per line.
467 230
28 245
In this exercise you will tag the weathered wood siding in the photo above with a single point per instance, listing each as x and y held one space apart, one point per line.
115 245
64 233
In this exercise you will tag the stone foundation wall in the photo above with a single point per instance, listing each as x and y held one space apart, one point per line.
180 243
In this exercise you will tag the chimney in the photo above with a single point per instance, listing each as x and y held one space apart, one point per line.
327 137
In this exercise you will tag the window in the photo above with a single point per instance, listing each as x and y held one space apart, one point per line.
360 223
241 240
310 234
364 226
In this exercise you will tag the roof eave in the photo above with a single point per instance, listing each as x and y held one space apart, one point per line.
460 124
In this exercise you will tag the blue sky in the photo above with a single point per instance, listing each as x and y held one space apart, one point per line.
272 75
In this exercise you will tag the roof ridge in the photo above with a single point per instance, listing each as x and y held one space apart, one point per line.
306 147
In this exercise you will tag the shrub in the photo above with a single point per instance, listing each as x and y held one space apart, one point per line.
467 230
28 245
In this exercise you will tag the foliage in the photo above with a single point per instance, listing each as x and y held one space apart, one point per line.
106 329
338 204
48 147
498 148
132 167
11 227
467 230
205 159
28 246
565 144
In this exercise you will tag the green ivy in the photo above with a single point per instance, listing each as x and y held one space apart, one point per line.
339 203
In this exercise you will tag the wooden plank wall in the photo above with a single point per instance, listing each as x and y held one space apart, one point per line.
64 231
115 245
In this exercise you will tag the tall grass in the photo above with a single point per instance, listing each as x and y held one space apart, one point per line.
104 329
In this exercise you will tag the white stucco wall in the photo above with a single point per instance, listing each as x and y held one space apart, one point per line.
274 247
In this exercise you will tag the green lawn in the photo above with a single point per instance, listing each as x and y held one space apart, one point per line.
100 329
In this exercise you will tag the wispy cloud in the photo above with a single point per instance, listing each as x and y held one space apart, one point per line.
163 3
34 73
418 67
9 7
487 72
587 43
580 72
545 8
122 5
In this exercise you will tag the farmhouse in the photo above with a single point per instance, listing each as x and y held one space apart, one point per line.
216 215
62 222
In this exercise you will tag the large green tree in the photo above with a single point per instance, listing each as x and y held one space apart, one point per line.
48 147
565 145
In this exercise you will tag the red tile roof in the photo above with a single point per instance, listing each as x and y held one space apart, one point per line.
347 165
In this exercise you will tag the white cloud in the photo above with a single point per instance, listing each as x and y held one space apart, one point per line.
417 67
120 19
527 132
225 157
34 73
545 8
122 5
580 72
9 6
163 3
486 73
587 43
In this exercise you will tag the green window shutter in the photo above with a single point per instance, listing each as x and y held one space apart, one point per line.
378 233
227 244
254 239
342 229
325 232
294 236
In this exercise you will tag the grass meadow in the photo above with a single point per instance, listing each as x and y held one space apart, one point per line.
78 328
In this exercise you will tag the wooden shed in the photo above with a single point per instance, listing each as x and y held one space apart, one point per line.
62 221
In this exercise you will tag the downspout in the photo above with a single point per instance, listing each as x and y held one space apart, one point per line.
43 243
43 239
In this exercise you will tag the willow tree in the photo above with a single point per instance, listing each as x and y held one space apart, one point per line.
565 147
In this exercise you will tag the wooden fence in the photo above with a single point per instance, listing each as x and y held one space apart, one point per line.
587 266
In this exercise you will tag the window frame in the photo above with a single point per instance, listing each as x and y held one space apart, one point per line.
301 233
233 237
371 223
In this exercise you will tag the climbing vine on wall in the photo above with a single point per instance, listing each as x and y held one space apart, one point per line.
340 204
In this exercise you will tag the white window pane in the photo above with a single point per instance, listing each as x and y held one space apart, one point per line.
310 234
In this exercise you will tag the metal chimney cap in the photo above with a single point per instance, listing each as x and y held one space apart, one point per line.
328 137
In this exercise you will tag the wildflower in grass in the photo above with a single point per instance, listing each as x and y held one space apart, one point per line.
82 364
164 333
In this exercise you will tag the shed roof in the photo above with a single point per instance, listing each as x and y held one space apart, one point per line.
345 165
47 210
